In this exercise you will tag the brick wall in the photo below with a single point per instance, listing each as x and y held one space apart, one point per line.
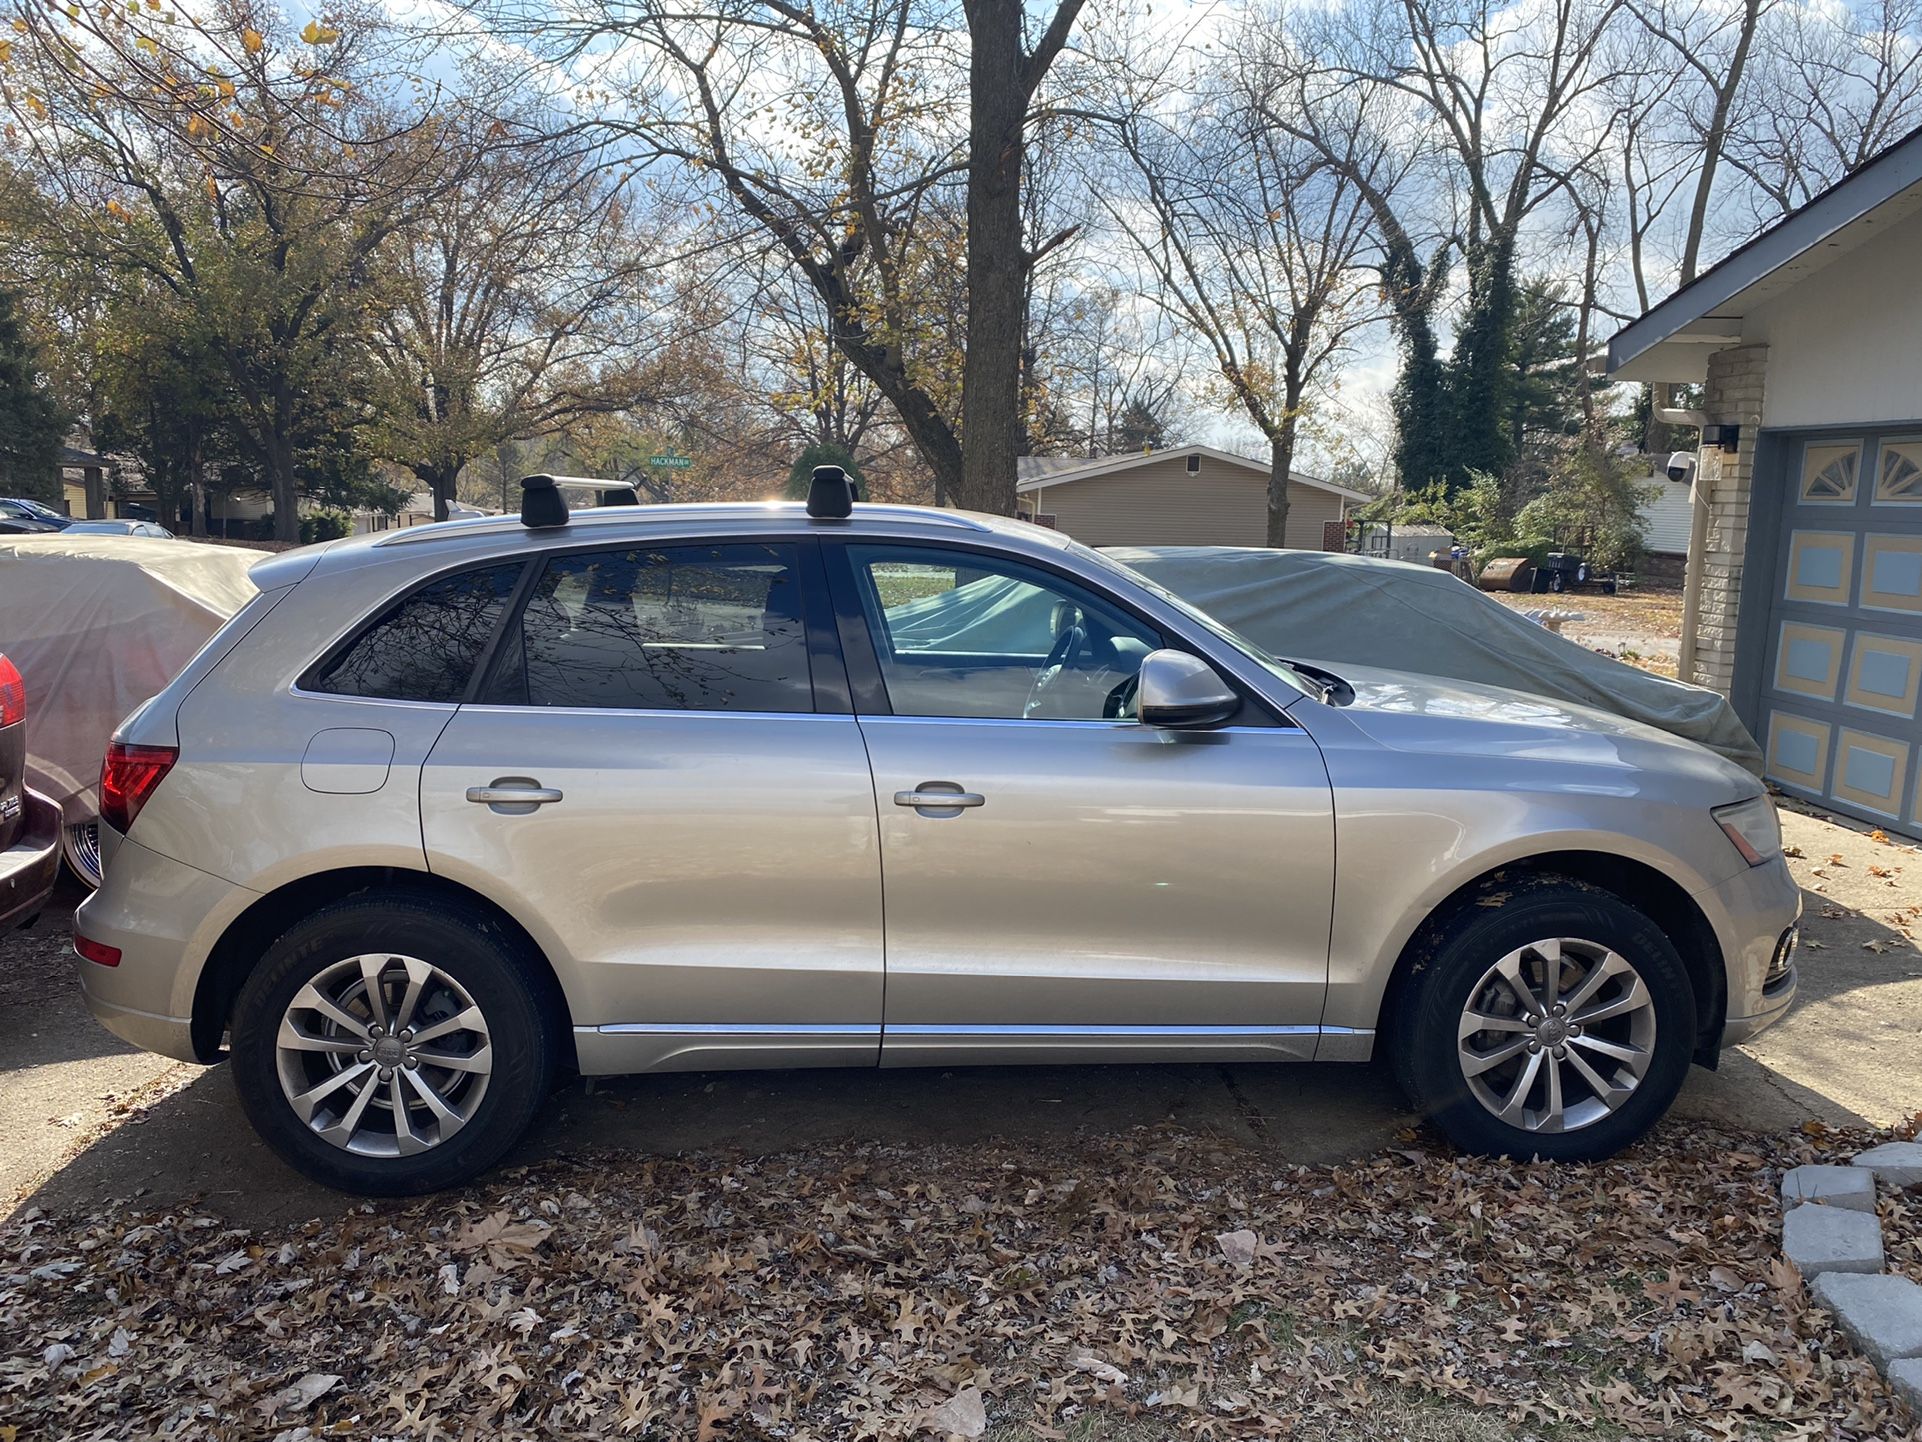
1733 397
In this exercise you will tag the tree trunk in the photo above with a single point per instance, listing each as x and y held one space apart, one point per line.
1716 139
991 374
280 469
286 495
1281 465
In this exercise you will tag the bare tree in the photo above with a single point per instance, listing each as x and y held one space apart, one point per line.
1834 87
1257 244
524 297
843 133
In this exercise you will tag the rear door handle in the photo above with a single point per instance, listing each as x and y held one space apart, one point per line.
932 794
512 795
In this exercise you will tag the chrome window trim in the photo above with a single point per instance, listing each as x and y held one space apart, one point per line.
447 706
734 1028
493 708
1106 723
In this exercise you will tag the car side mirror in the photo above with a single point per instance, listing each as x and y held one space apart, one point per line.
1176 689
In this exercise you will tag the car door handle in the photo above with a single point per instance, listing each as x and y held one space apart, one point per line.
924 797
512 795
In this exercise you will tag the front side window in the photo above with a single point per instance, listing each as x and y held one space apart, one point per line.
425 646
967 635
681 628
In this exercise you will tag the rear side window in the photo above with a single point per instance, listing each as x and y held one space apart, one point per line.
663 628
424 648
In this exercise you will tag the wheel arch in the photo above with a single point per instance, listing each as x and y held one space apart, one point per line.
1636 883
271 915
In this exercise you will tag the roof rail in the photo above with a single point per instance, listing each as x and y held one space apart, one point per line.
732 514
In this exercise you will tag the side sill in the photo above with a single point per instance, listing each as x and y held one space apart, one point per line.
723 1046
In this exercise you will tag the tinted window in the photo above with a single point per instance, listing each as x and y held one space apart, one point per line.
679 628
959 634
425 647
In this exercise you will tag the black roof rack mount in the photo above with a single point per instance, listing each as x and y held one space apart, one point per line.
543 506
831 495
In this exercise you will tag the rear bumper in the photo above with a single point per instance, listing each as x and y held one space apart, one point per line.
163 916
29 867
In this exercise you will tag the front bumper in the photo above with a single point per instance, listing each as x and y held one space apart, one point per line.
164 917
30 867
1755 914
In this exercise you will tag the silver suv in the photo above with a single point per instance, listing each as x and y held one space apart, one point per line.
447 811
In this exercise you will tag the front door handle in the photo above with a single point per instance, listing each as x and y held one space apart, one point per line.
498 795
939 796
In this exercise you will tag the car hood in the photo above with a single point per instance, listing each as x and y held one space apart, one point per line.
1432 715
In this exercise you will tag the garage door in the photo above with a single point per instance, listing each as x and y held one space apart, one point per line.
1841 678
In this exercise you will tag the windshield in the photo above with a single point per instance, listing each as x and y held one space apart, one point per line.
1305 684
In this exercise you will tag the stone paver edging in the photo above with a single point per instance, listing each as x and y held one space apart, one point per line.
1831 1233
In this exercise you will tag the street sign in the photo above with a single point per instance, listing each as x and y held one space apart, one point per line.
671 463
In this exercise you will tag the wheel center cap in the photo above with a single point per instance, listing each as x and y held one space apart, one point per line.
389 1052
1552 1032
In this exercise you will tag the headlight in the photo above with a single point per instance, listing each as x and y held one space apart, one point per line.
1754 828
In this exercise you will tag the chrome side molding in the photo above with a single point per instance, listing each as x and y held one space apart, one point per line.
697 1046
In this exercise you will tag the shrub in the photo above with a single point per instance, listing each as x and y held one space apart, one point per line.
325 526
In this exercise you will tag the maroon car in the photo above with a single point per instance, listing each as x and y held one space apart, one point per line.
29 822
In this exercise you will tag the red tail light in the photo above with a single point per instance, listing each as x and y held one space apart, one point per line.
128 777
13 694
97 952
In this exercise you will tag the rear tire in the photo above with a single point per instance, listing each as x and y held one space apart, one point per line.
1493 1070
391 1045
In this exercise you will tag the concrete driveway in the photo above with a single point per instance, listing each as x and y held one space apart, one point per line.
84 1120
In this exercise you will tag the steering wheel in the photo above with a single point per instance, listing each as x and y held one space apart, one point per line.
1065 646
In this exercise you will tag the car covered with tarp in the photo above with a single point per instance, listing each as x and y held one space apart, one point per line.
97 624
1333 611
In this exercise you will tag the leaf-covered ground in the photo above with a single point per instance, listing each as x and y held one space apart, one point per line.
1139 1287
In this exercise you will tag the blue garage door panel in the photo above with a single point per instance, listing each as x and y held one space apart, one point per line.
1841 676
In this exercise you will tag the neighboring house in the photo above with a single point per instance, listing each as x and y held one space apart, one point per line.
1807 594
1186 496
83 482
416 510
1665 516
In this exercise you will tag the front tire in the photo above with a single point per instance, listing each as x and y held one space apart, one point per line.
392 1045
1546 1018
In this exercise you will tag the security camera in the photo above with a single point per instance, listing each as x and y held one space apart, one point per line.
1681 465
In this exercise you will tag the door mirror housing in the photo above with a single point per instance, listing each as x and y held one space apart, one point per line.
1179 690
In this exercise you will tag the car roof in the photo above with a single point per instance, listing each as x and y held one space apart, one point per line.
443 543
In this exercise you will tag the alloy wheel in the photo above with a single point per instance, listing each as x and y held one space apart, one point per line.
384 1055
1557 1035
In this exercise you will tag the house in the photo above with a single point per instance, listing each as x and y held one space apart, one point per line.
1186 496
83 482
1804 595
1665 515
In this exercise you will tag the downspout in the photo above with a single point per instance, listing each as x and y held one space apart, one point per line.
1669 415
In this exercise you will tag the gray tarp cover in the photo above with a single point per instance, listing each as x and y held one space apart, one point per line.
1329 608
97 624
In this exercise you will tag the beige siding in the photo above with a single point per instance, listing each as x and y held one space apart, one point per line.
1160 504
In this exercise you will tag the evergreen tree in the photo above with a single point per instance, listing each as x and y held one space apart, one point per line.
822 453
1481 371
32 427
1138 428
